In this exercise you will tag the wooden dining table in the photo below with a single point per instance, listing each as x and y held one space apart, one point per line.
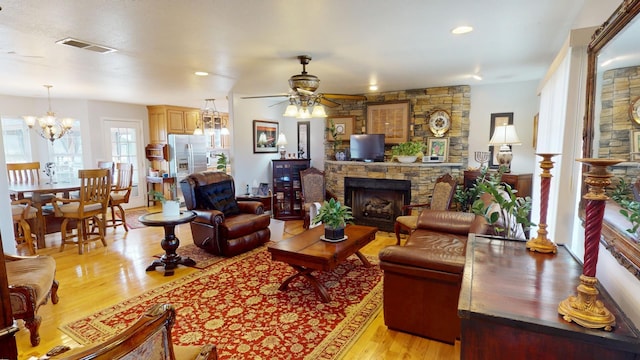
36 191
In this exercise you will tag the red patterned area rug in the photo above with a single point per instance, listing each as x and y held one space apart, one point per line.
236 305
202 258
132 217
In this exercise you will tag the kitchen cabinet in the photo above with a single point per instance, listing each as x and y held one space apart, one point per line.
287 190
166 119
157 125
182 121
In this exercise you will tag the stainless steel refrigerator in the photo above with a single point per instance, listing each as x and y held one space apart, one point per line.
187 154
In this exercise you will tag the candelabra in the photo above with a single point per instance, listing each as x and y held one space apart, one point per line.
541 243
482 157
585 309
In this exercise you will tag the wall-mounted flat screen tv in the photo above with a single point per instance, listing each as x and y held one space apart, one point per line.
367 147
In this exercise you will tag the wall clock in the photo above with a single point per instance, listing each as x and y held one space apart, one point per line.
635 110
439 122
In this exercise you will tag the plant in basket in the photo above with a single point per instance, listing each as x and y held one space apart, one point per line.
408 151
335 217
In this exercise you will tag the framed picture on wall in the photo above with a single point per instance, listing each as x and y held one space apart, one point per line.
265 135
304 128
635 143
497 119
438 146
344 127
390 119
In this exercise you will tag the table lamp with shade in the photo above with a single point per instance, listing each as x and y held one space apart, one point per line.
282 141
504 136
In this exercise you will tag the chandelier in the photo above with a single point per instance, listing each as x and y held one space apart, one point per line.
211 120
50 128
299 107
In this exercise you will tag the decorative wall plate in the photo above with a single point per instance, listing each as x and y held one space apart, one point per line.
635 110
439 122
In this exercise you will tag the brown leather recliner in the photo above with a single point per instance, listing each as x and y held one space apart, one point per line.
223 226
422 279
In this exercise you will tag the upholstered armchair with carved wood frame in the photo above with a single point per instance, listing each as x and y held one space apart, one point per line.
313 191
441 198
148 338
31 283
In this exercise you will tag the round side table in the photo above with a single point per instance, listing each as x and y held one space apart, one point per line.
170 260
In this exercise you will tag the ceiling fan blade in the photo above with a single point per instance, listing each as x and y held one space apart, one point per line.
278 103
328 103
344 96
264 96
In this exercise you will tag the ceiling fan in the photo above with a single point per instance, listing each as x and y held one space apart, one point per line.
303 88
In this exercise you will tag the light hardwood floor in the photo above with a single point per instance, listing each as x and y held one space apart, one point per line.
103 276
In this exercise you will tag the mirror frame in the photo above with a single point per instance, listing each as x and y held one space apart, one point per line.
620 243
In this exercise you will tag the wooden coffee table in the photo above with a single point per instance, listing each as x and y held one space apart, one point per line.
306 252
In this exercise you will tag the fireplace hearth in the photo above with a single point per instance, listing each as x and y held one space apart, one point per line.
376 202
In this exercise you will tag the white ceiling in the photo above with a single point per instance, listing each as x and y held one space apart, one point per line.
250 46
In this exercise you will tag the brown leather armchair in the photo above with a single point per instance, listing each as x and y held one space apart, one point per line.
422 279
223 226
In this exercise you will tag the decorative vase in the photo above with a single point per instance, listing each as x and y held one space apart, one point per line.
406 158
333 234
171 208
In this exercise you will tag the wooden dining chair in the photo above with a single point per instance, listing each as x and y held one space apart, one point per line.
95 188
23 173
120 194
22 212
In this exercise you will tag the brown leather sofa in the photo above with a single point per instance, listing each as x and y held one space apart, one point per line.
422 279
223 226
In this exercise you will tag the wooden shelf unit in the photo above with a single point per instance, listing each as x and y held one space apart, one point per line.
287 190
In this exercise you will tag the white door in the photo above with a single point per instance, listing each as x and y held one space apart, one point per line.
124 142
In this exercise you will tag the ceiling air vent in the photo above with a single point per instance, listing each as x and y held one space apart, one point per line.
85 45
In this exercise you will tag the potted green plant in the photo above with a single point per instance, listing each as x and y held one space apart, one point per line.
335 217
170 207
221 163
511 209
408 152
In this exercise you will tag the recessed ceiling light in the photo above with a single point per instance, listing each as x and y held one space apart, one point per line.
201 73
373 87
462 30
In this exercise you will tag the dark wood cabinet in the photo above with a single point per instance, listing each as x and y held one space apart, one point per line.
265 200
287 191
509 307
520 182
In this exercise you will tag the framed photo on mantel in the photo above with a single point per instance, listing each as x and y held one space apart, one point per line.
390 119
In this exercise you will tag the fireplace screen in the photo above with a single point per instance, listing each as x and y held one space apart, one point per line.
377 202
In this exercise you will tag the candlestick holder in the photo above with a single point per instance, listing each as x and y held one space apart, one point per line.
541 243
585 309
482 157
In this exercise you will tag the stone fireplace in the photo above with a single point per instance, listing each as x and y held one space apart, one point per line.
376 202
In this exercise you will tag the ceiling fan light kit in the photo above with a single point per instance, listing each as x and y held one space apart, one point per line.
302 95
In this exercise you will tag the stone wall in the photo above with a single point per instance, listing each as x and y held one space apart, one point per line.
456 100
619 88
